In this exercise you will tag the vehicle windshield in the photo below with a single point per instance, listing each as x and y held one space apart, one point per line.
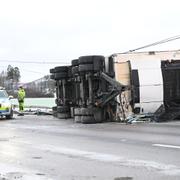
3 94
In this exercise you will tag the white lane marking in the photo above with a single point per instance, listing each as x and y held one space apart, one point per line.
167 146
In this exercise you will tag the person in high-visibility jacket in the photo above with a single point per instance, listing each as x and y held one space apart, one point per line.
21 96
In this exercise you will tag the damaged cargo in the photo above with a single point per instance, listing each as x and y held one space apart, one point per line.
154 81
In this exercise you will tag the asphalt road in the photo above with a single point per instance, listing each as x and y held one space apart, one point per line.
45 148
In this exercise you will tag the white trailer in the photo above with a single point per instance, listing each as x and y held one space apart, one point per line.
154 78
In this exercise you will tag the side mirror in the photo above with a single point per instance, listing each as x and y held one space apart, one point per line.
11 97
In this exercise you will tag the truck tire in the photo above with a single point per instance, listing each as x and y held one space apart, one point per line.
86 68
60 75
75 70
63 109
96 114
77 119
90 59
77 115
99 64
70 71
87 111
77 112
54 109
88 115
72 111
52 70
63 115
87 119
61 69
75 62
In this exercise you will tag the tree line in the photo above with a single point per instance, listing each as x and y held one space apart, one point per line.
10 77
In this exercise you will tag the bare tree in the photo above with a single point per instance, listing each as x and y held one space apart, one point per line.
13 73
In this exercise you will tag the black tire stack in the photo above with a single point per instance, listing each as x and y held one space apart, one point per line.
77 87
87 69
62 75
75 81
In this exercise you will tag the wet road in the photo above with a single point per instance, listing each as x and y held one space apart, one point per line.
45 148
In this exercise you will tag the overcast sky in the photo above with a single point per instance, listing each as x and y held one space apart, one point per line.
61 30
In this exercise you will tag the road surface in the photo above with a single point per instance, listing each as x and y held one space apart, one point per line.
45 148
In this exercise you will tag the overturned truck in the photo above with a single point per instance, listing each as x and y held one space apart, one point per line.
96 89
87 90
